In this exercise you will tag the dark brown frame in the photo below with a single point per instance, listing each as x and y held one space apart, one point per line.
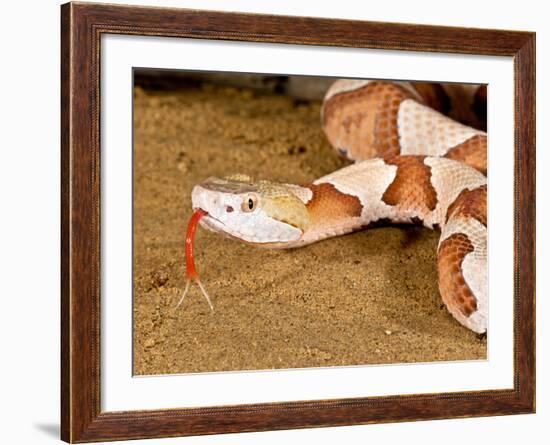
81 28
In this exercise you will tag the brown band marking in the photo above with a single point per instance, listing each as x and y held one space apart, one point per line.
473 152
329 204
363 122
434 96
412 187
455 292
472 203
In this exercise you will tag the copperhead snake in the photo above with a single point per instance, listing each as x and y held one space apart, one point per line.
412 165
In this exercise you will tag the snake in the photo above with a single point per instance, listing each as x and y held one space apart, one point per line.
412 164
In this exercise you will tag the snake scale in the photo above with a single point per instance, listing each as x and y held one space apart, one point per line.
413 165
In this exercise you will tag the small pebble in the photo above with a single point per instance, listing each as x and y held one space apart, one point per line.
149 343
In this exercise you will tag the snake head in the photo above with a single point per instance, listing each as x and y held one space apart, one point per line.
258 212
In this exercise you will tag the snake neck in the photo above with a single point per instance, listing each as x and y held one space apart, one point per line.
404 189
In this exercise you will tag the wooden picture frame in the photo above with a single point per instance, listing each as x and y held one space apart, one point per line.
82 26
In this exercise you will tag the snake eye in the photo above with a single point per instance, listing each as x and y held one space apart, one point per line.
249 203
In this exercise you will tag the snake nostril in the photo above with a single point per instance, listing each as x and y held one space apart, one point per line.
229 209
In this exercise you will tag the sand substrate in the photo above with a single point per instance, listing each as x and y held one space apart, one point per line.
366 298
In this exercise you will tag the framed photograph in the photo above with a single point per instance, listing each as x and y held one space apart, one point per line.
274 222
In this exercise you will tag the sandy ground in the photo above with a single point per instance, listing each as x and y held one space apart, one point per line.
370 297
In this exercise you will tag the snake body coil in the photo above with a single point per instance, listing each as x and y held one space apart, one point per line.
412 165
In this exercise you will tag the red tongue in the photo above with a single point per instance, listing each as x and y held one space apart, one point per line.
190 270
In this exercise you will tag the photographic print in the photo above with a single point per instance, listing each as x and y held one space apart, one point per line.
273 222
297 221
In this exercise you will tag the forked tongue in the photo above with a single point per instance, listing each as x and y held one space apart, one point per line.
190 270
